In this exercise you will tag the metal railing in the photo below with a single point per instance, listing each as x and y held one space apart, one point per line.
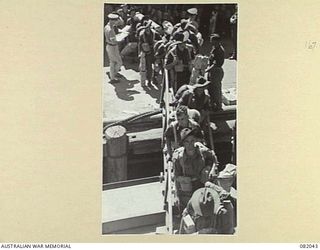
168 174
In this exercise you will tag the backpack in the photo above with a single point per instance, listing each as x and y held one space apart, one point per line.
209 213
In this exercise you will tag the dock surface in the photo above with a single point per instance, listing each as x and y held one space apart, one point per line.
137 206
127 98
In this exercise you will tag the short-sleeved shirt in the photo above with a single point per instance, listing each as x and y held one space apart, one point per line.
110 35
192 166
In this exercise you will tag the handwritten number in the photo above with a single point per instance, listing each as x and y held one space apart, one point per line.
311 45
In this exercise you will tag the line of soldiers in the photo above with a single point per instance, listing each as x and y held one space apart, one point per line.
166 46
204 202
196 81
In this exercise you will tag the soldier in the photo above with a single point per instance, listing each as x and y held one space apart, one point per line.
193 164
208 212
193 39
130 51
172 134
197 97
125 12
147 39
112 47
159 54
216 72
179 61
192 13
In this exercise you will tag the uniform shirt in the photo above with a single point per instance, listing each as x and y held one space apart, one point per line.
150 39
186 55
110 35
169 134
132 34
217 56
192 166
192 101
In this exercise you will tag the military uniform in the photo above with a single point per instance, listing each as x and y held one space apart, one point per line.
193 12
131 47
192 101
175 128
194 169
180 73
216 74
146 44
203 211
112 50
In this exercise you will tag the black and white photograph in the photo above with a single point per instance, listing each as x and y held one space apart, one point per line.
169 136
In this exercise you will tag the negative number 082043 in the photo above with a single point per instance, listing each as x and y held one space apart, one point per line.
308 245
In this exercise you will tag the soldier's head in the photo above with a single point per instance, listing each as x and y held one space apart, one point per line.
167 27
215 39
113 19
182 115
132 12
192 13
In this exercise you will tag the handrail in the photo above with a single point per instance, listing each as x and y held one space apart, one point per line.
168 166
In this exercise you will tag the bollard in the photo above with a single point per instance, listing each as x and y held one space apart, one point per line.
116 154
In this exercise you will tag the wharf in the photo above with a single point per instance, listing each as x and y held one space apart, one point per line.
127 98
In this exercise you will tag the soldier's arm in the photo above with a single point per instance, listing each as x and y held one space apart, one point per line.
176 164
184 99
211 61
214 164
140 41
170 62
